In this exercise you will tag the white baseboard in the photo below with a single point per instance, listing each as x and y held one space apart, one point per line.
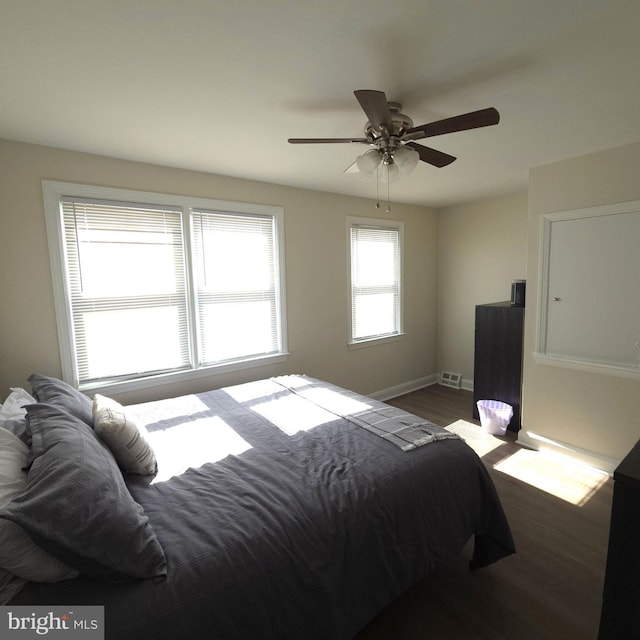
414 385
405 387
590 458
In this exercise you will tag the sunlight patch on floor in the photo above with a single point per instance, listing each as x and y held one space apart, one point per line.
554 473
478 439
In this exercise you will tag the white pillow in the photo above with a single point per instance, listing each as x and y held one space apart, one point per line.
126 439
18 554
12 407
13 417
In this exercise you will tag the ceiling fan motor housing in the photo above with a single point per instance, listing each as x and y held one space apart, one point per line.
401 122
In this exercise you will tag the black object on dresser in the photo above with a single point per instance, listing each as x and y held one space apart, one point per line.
621 595
497 371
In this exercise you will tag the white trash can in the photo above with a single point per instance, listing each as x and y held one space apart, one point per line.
494 416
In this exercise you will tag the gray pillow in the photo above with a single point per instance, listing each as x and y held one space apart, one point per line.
18 554
9 586
61 394
77 506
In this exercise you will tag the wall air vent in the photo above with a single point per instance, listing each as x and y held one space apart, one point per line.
450 379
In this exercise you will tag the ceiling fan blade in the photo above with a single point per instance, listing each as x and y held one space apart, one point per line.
375 106
473 120
352 168
432 156
326 140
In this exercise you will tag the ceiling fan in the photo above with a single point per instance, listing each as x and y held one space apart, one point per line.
392 136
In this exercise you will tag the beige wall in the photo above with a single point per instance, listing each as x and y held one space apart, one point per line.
316 272
593 413
482 247
468 253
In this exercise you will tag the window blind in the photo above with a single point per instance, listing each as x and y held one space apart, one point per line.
236 285
375 282
126 283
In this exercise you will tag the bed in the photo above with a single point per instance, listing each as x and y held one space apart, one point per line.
282 508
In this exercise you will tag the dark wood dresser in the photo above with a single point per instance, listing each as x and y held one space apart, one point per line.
620 619
497 372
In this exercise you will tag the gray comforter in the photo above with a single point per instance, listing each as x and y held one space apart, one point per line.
280 519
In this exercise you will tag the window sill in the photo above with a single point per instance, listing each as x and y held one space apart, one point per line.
125 386
622 371
371 342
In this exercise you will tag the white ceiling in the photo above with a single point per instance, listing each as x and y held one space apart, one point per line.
219 86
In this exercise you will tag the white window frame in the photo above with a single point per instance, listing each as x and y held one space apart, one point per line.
53 191
376 223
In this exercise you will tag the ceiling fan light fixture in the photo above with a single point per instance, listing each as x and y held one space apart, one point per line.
368 162
389 172
406 159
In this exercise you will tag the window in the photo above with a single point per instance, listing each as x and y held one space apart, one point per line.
125 275
148 285
236 288
376 303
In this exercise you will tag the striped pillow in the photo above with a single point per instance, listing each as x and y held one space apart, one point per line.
124 437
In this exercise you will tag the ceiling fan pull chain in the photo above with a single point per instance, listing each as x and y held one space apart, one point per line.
378 187
388 199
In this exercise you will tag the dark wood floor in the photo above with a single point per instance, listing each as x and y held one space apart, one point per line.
551 589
